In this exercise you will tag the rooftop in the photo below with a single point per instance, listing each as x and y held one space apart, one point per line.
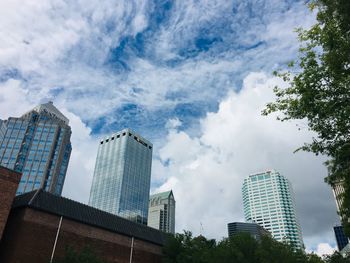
46 202
50 108
162 195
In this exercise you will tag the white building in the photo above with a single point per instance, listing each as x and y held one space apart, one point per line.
161 212
268 200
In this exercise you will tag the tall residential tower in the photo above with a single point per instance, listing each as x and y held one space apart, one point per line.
268 200
122 176
37 144
161 212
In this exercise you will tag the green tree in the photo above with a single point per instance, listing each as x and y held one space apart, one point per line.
319 89
336 257
242 248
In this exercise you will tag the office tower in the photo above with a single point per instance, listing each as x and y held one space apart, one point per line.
268 200
338 191
2 130
340 237
161 212
121 181
37 144
255 230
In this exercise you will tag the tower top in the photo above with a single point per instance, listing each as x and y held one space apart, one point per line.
51 109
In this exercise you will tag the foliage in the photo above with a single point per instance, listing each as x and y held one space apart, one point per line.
337 258
86 255
184 248
319 90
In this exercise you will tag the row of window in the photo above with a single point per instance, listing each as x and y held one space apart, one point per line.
135 138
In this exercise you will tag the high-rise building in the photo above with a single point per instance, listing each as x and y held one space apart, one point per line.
254 229
268 200
161 212
341 238
37 144
121 181
338 192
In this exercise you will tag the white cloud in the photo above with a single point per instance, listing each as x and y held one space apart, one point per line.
54 44
82 161
13 99
206 172
323 249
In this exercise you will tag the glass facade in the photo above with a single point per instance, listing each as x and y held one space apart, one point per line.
268 200
253 229
341 238
161 212
37 145
122 176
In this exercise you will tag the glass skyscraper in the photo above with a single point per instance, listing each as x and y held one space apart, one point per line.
122 176
268 200
161 213
37 144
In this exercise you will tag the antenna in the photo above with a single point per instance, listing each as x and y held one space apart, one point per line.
201 228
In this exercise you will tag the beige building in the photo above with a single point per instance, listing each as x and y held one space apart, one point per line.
161 212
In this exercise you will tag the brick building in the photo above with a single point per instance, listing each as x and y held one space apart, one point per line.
41 226
8 185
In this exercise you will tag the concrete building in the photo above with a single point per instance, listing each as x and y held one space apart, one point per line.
161 212
121 181
255 230
338 191
37 145
41 226
268 200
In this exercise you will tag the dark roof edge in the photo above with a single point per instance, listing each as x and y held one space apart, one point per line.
32 200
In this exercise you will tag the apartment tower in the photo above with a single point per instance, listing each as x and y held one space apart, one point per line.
268 200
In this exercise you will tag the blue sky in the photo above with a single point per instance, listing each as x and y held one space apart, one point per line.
181 73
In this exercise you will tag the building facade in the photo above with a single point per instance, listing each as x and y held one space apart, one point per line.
341 238
268 200
122 175
41 226
9 180
255 230
161 212
338 192
37 144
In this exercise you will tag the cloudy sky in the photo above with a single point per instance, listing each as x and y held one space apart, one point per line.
191 76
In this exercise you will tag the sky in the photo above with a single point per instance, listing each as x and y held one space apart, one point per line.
191 76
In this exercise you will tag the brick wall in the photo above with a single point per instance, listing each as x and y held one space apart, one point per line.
30 234
9 180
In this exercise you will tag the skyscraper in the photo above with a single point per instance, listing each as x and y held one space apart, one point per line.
122 176
268 200
340 237
37 144
338 192
161 212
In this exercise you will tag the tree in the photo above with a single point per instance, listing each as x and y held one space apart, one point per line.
319 90
242 248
